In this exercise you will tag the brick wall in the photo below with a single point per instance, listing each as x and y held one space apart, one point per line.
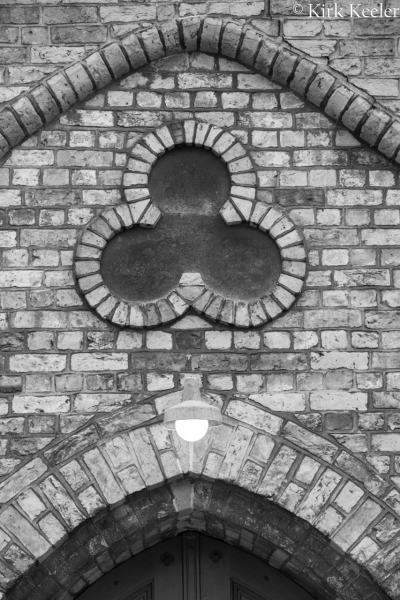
34 40
322 381
217 509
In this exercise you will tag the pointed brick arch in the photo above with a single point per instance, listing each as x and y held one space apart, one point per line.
116 459
357 111
217 509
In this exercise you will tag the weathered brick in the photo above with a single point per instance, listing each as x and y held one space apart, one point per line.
18 15
61 501
373 126
116 60
210 35
338 360
75 34
37 362
305 439
126 14
54 15
230 39
134 50
10 127
63 90
45 100
28 115
80 81
25 476
355 112
279 362
220 362
24 531
277 471
283 67
357 524
338 400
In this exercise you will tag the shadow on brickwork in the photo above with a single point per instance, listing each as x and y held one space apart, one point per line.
219 510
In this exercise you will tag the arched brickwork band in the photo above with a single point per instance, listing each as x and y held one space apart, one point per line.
218 509
339 100
272 456
241 207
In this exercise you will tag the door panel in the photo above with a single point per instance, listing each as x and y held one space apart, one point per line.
194 567
241 593
191 566
223 567
150 572
143 593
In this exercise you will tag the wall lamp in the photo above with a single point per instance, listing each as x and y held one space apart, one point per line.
192 417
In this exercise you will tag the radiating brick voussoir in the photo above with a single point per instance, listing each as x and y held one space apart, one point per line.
243 207
374 126
210 35
283 296
98 70
63 90
354 114
136 316
223 143
130 43
111 219
120 314
190 29
150 217
266 56
10 128
83 268
230 214
171 37
100 226
231 37
338 102
249 47
189 132
116 60
80 81
319 88
259 211
390 142
152 43
89 238
153 143
214 307
28 114
303 75
124 215
284 66
45 102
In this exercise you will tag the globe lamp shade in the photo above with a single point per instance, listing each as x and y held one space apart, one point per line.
192 417
191 430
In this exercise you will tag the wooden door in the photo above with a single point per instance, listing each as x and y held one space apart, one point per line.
153 574
194 567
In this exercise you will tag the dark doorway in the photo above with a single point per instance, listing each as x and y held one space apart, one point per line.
194 567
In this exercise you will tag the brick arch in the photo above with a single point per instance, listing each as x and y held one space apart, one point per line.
217 509
139 210
278 462
337 98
